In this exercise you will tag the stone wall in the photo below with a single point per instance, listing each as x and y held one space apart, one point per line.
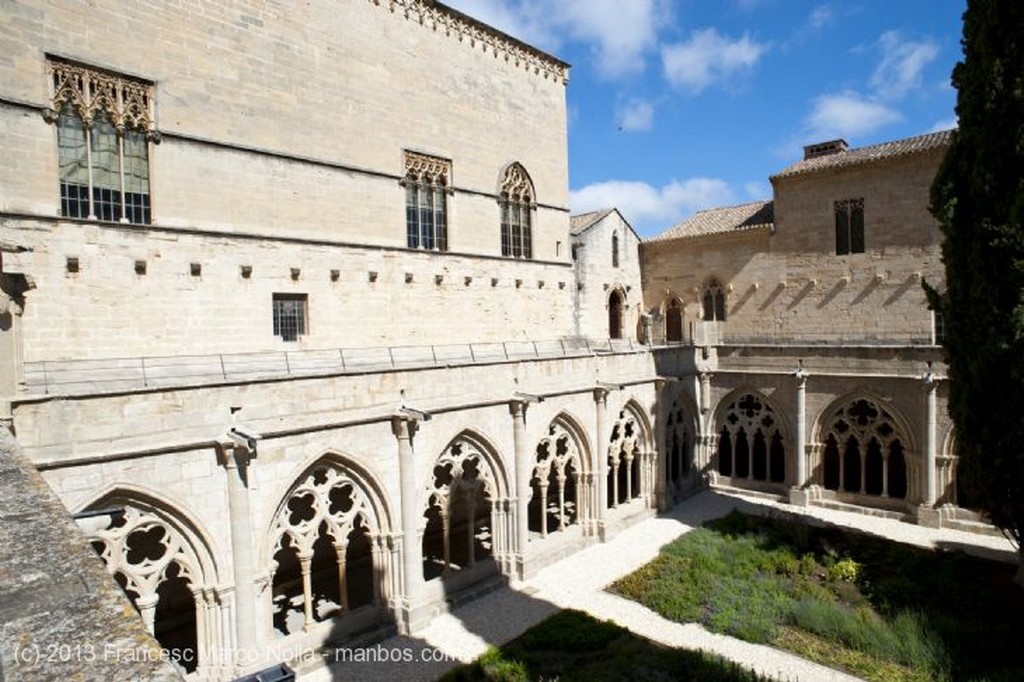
597 277
790 286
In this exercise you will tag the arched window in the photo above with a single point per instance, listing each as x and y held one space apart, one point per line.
625 480
679 442
323 553
516 199
467 518
713 302
615 315
427 179
864 451
554 505
674 321
750 441
615 250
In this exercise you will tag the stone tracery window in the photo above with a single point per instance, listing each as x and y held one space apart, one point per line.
427 184
327 546
864 451
624 460
713 302
459 530
104 126
849 217
750 441
152 563
679 441
556 482
517 201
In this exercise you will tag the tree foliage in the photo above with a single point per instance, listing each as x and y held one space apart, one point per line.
978 197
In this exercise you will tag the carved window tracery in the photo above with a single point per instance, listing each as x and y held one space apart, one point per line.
517 202
154 566
713 301
864 451
849 218
751 441
427 182
327 545
104 126
678 445
623 460
556 482
459 528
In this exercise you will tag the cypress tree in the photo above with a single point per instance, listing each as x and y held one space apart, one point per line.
978 198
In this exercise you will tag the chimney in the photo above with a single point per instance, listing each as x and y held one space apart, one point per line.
813 151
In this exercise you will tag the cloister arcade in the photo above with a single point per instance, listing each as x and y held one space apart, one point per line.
751 442
333 553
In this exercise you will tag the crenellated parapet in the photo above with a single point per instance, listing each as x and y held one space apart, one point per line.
465 29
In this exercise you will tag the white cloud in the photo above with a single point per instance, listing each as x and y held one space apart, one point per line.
821 16
636 116
945 124
847 114
899 72
708 58
647 207
617 33
757 190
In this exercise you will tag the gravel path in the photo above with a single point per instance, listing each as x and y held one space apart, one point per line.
578 582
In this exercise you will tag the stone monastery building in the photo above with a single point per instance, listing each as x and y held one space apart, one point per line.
294 317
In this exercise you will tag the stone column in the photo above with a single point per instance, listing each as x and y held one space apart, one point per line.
236 459
524 470
705 391
797 494
662 451
412 552
927 514
601 447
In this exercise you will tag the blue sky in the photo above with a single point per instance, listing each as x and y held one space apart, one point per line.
679 105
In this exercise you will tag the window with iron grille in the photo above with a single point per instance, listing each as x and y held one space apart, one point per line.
104 127
516 203
290 316
849 226
427 181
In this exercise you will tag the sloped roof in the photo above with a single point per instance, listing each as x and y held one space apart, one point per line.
870 154
584 221
740 218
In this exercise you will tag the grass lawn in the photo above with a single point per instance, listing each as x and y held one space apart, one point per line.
572 645
872 607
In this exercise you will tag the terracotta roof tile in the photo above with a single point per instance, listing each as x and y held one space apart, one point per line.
583 221
757 214
870 154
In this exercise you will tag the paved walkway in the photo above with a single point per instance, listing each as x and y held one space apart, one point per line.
579 581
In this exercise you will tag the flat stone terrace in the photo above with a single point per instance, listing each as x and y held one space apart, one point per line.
62 617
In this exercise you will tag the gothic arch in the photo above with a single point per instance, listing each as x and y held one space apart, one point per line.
629 455
752 434
865 447
713 301
681 432
946 463
327 545
467 510
616 306
673 314
160 556
558 479
572 425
